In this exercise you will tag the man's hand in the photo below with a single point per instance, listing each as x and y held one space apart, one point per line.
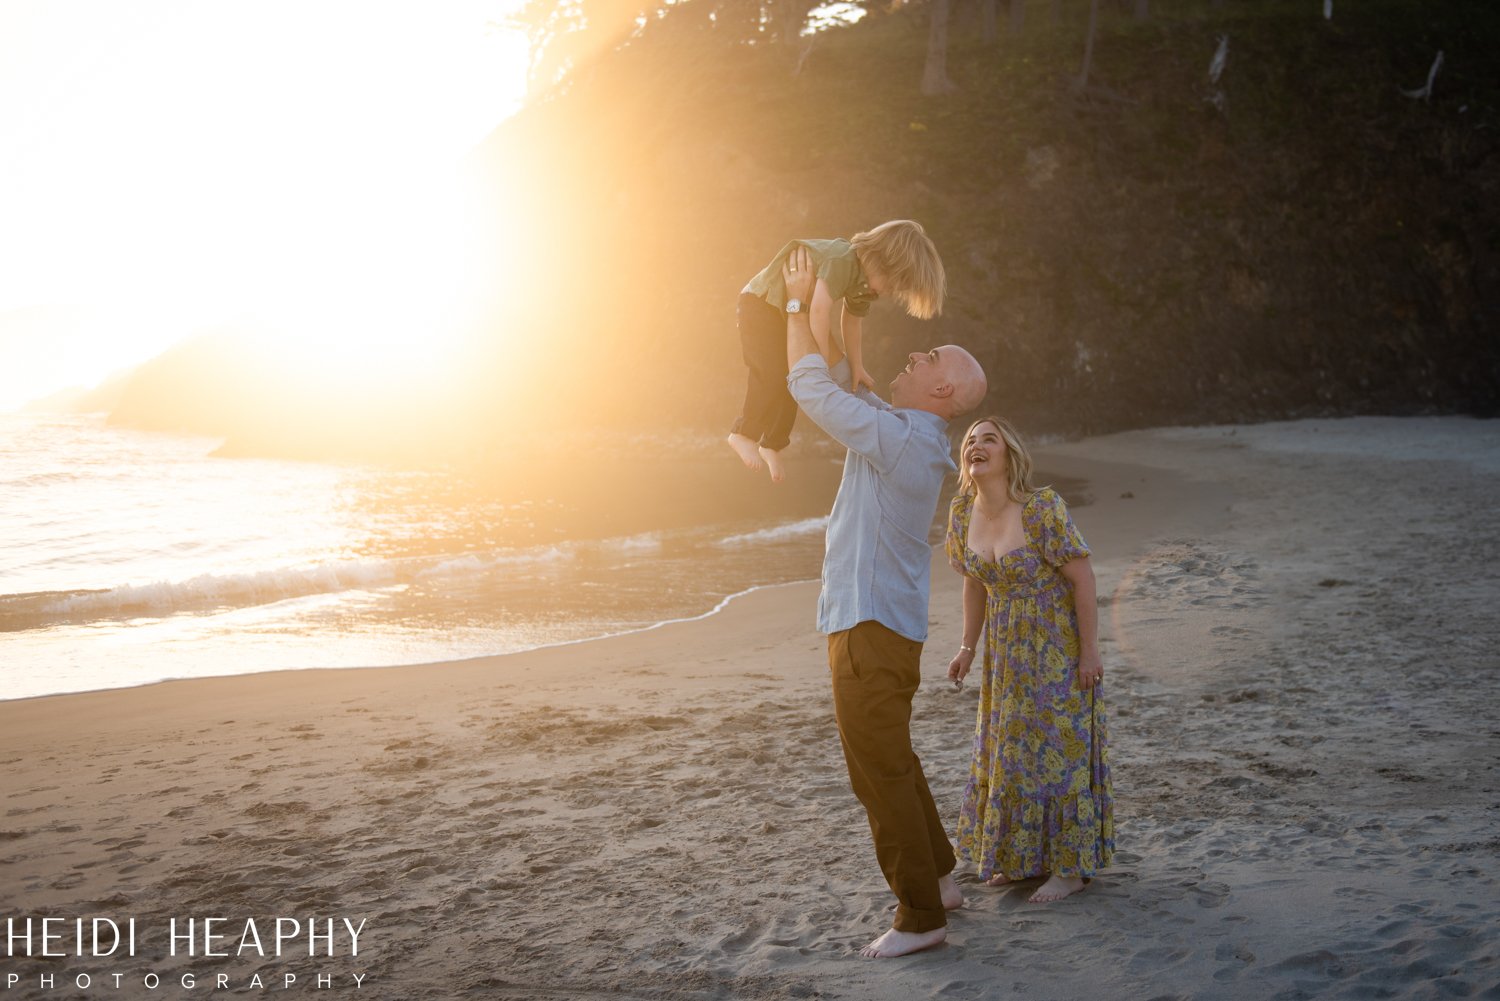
799 275
800 281
859 377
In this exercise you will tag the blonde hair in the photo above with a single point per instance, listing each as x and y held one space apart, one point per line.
904 255
1017 461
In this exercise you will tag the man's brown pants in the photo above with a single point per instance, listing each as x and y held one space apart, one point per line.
875 674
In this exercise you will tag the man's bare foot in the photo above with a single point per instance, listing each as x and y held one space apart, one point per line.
953 897
901 943
1056 888
746 450
773 463
999 879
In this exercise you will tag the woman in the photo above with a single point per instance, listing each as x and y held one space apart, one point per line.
1038 798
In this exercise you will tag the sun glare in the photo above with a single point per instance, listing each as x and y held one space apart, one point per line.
289 168
377 285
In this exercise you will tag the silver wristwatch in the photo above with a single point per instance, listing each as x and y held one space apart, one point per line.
794 305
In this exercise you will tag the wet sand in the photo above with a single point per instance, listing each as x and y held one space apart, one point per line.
1299 640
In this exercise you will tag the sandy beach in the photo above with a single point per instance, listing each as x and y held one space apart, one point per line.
1299 635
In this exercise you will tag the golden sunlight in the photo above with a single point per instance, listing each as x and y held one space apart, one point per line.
288 168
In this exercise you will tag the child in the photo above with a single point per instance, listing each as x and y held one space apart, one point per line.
894 258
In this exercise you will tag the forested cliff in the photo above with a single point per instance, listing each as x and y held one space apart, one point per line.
1282 231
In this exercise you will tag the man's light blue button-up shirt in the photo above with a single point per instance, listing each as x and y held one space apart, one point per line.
877 564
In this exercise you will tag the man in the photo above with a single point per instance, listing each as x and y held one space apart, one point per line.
873 606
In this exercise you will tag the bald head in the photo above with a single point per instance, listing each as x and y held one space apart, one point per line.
947 381
967 377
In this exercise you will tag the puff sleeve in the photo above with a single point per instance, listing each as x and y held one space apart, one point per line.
1061 540
958 530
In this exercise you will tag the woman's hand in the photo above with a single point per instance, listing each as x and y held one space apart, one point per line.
861 377
1090 669
958 667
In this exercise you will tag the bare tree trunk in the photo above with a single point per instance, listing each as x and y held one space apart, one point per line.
935 75
785 18
1017 16
1088 48
988 24
803 52
1425 93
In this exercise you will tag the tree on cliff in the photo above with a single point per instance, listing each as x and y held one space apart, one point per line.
1146 259
566 34
935 75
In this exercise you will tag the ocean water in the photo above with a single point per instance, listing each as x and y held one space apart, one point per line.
129 557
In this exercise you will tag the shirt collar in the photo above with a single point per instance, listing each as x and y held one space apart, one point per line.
926 417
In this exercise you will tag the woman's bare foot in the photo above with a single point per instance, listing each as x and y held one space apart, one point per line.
1056 888
999 879
901 943
746 450
773 463
953 897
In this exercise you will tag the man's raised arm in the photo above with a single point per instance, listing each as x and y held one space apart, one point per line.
858 423
801 279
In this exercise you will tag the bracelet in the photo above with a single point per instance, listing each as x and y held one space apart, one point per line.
968 648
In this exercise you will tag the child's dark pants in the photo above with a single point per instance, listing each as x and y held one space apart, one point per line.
769 411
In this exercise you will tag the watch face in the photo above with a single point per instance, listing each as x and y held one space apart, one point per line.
794 305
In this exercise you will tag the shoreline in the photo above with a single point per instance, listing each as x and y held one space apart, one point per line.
250 566
721 606
665 812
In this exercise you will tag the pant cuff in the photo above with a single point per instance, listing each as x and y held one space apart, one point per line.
910 919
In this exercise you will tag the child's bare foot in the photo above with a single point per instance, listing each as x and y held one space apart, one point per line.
1056 888
998 879
746 450
953 897
773 463
900 943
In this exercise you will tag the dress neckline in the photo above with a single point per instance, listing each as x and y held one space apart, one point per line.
1025 531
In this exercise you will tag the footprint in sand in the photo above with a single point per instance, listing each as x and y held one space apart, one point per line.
277 810
1238 954
1192 570
1320 961
1212 894
120 844
1282 772
1154 958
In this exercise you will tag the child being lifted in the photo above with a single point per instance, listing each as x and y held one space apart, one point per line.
895 258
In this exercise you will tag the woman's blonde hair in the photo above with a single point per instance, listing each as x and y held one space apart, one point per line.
901 251
1017 461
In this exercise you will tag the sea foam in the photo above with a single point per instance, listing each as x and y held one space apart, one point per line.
210 590
778 533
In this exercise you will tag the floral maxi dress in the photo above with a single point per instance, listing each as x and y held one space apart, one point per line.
1038 797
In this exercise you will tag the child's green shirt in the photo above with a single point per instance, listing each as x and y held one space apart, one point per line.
836 264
